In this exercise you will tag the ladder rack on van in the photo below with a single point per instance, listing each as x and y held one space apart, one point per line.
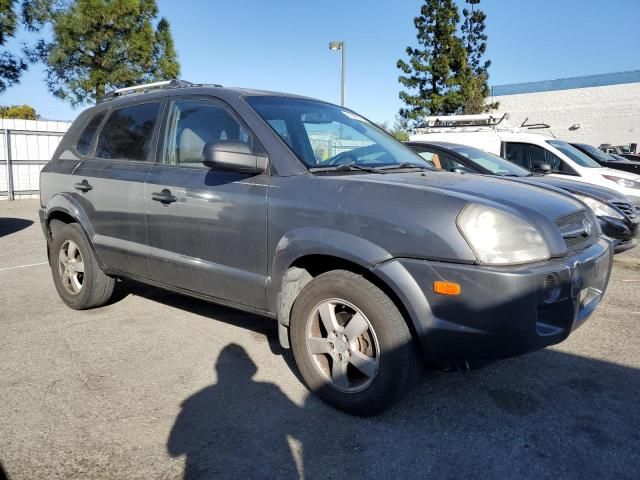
146 87
473 123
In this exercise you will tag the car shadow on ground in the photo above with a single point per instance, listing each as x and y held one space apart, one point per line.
9 225
547 414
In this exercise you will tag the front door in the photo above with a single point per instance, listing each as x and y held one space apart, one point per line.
207 228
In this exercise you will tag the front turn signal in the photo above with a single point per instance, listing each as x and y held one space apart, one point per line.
446 288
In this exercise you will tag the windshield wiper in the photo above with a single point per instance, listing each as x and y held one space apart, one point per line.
344 168
405 165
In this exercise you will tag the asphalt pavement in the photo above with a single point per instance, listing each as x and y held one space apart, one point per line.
156 385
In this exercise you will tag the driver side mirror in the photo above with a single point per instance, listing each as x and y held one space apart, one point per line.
232 155
542 168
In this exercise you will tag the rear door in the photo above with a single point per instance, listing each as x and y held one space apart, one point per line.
207 228
108 184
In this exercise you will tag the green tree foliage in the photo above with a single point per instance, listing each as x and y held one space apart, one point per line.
99 45
24 112
11 66
476 78
434 73
400 128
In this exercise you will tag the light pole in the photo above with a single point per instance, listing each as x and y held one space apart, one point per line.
339 46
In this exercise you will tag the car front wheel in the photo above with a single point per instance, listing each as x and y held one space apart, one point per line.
351 343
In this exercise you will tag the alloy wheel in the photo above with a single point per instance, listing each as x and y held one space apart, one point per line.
71 267
343 345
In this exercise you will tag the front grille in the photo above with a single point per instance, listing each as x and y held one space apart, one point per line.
629 210
571 219
572 229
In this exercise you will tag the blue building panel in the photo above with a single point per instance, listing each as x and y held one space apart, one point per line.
601 80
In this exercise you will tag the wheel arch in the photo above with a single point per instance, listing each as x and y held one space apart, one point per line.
319 254
63 213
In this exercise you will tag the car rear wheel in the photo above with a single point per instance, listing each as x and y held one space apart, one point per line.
77 276
351 343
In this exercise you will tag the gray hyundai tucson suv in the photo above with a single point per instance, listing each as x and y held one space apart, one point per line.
304 212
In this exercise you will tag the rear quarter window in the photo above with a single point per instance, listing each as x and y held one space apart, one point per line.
83 145
127 133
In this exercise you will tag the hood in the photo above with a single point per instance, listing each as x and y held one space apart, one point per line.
617 173
419 209
580 188
526 200
624 165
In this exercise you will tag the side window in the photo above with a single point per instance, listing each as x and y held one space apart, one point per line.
517 153
440 160
428 156
450 164
195 123
539 155
126 135
86 138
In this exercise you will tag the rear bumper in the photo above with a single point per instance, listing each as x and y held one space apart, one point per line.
501 311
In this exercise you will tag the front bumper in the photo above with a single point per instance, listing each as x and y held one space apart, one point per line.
501 311
621 232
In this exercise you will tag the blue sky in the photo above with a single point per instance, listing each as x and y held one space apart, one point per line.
283 45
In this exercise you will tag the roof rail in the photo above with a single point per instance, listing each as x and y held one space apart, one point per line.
145 87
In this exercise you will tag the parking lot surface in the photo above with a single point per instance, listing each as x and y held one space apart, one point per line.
157 385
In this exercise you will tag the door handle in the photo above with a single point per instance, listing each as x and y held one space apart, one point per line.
83 186
164 196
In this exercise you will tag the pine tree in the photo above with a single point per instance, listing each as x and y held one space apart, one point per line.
99 45
433 74
476 78
11 66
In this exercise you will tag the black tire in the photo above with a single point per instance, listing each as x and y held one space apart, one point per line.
96 287
398 362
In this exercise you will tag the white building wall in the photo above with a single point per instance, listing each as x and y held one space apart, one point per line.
32 145
608 114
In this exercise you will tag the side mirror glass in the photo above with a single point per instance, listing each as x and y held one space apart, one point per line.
232 155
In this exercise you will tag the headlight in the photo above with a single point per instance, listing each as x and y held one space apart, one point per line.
623 182
500 238
599 208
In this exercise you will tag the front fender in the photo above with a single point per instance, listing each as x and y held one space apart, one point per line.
307 241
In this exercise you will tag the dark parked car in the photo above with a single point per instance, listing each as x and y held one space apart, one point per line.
304 212
634 157
607 160
618 217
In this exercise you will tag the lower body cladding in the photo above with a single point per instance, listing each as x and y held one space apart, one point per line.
500 311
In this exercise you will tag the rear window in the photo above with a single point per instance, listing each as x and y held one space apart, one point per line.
126 135
86 139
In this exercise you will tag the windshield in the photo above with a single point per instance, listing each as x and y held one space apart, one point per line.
496 165
574 154
324 135
596 153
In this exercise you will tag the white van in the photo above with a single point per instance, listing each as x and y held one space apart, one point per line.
534 151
